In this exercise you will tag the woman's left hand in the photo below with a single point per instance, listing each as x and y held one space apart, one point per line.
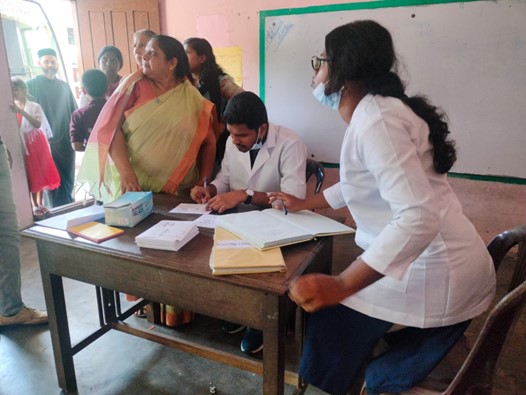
278 199
315 291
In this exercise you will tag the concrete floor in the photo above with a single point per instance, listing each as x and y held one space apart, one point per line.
122 364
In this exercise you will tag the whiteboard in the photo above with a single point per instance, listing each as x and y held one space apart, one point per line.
469 58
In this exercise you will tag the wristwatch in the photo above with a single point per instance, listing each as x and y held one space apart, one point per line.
250 195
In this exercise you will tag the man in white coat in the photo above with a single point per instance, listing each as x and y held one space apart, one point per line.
259 158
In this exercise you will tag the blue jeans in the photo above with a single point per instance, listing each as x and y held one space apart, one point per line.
339 341
10 283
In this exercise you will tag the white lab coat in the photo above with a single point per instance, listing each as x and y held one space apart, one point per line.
409 222
279 165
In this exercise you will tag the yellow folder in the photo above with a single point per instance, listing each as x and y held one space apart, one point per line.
95 231
232 255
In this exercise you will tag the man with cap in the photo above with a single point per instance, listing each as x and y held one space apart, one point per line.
57 101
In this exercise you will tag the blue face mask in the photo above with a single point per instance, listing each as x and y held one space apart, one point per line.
331 101
257 145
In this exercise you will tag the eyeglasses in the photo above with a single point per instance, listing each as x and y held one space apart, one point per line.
316 62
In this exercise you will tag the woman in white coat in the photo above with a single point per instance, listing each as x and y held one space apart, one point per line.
424 267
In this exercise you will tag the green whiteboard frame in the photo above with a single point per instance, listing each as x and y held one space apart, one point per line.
360 6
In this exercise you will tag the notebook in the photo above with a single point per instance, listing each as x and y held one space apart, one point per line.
95 231
272 228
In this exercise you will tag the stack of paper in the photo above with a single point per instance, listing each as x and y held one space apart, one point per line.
167 235
74 218
231 255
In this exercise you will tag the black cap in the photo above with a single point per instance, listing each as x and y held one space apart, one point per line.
47 51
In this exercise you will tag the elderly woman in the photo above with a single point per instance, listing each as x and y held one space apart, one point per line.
140 39
155 133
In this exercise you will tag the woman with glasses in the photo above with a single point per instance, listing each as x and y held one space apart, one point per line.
425 272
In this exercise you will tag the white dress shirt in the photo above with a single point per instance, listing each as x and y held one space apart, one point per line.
409 222
279 165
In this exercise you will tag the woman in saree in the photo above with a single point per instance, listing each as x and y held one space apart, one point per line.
155 133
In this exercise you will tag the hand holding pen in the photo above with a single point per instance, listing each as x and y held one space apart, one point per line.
285 202
279 204
200 194
206 196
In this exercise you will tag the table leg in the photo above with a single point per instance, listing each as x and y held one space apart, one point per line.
274 333
59 330
109 305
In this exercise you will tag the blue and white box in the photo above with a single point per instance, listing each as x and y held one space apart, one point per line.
129 209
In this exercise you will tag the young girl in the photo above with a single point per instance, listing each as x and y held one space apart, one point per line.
35 130
213 83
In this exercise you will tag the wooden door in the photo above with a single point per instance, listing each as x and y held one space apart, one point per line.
113 22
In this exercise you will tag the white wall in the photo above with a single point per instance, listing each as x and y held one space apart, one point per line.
233 23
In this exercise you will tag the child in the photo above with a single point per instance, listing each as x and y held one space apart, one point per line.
35 130
94 84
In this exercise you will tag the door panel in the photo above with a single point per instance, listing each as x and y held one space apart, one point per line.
113 22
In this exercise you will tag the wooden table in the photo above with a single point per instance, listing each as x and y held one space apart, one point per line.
180 278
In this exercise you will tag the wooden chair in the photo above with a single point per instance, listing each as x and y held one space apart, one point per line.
316 168
475 375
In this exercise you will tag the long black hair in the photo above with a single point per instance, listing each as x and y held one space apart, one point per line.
210 71
172 48
363 52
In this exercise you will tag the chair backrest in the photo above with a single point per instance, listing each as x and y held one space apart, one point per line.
316 168
476 374
477 371
505 241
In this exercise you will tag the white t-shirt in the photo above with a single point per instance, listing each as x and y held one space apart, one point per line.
409 222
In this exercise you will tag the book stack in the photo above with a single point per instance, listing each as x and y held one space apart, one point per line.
167 235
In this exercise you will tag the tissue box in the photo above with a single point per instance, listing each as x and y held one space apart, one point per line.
129 209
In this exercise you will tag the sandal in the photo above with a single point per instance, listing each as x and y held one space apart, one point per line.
141 313
45 211
38 214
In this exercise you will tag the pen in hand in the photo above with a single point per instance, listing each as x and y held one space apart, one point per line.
279 204
205 185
